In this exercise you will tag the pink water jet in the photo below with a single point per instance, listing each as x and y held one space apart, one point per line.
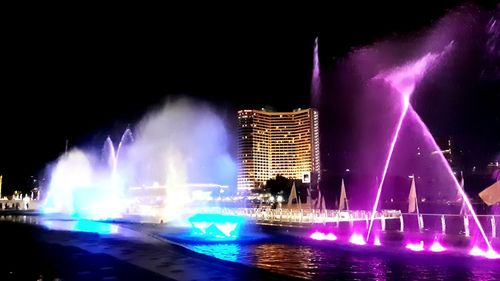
357 239
376 242
491 254
315 80
318 236
476 252
431 139
436 247
415 247
403 80
386 166
331 237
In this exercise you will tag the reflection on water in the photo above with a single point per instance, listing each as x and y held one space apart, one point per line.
228 252
315 263
65 224
307 260
81 226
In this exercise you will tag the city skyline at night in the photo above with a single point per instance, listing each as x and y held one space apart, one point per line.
217 141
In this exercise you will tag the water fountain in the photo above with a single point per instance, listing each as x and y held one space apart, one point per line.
172 156
216 226
407 134
403 80
316 79
155 169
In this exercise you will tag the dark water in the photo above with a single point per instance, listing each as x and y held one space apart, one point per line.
314 261
320 263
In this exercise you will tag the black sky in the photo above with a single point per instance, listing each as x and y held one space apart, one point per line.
83 73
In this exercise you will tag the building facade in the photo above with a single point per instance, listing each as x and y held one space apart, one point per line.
277 143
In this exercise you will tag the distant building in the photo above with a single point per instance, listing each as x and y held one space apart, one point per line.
277 143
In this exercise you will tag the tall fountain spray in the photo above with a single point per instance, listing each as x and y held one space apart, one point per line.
126 140
178 145
428 136
109 154
315 79
73 171
403 80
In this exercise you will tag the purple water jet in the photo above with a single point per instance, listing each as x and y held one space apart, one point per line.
320 236
357 239
436 247
416 247
316 79
460 190
403 80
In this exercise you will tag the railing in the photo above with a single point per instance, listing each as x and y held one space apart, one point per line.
440 223
305 216
451 223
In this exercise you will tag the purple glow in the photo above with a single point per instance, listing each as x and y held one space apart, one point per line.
331 237
376 242
402 79
491 254
386 166
415 247
357 239
476 252
315 81
320 236
431 139
437 247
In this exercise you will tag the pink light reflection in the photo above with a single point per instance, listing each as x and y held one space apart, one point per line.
415 247
357 239
436 247
331 237
376 242
477 252
491 254
318 236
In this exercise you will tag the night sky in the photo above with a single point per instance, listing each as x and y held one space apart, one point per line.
83 74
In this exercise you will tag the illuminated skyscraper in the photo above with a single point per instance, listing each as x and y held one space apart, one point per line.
277 143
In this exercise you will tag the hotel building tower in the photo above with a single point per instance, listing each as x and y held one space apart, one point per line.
277 143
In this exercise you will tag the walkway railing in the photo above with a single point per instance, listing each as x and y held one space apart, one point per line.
440 223
305 216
